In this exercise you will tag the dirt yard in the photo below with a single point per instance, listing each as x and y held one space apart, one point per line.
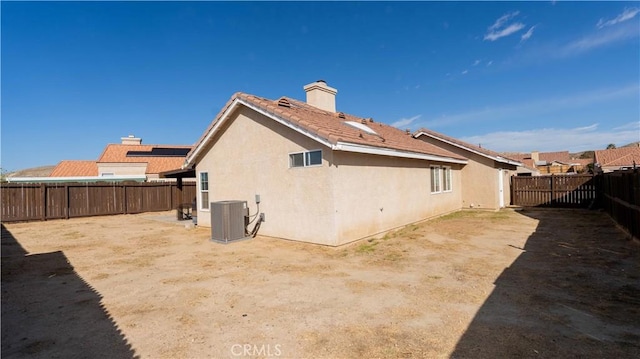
533 283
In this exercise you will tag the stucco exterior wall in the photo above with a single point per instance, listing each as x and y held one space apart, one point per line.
349 197
122 169
480 178
373 194
251 156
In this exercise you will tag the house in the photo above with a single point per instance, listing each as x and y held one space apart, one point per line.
617 159
547 163
485 179
323 176
129 160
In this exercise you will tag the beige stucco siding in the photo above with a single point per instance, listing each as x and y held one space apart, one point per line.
122 169
480 178
373 194
251 156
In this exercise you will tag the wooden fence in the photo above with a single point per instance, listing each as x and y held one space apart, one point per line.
554 191
621 199
617 192
28 202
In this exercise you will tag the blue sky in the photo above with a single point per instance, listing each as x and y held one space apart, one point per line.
512 76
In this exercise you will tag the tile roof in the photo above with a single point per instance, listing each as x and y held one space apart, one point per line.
460 143
618 157
75 169
330 127
117 153
561 156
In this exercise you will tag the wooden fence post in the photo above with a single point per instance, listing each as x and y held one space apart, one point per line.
43 193
66 201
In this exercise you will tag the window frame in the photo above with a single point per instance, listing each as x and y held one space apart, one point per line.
203 191
436 179
447 178
306 158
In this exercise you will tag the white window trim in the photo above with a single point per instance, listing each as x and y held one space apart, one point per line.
439 176
200 191
444 171
304 158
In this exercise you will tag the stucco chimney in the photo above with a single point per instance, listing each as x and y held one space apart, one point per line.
131 140
535 156
321 96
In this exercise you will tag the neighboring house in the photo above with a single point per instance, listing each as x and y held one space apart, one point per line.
131 157
617 159
323 176
129 160
546 163
485 179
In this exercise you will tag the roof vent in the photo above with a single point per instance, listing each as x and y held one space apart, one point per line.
363 121
284 102
408 131
370 119
341 115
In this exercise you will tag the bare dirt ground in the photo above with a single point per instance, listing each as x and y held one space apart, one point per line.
533 283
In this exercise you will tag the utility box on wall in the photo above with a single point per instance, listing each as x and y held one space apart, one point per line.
228 220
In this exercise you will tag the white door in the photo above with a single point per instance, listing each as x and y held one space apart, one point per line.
501 188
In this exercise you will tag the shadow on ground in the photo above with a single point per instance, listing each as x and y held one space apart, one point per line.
573 292
48 310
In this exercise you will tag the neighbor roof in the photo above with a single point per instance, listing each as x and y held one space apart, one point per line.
560 156
75 168
618 157
329 128
117 153
467 146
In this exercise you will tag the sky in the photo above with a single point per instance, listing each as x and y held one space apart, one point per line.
510 76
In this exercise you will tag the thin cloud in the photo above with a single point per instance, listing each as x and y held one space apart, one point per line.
528 34
404 122
557 139
464 72
598 39
501 28
503 20
489 63
511 29
536 108
476 63
627 14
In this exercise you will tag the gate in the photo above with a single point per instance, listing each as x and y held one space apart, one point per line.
560 191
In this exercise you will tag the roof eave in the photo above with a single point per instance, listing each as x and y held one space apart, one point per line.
352 147
495 158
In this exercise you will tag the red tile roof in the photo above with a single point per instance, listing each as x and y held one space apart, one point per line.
75 169
332 127
561 156
117 153
464 144
618 157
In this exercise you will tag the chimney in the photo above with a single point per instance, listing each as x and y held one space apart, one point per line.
535 156
131 140
321 96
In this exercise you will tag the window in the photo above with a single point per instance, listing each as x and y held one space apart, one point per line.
305 159
204 190
435 179
107 174
440 179
446 179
